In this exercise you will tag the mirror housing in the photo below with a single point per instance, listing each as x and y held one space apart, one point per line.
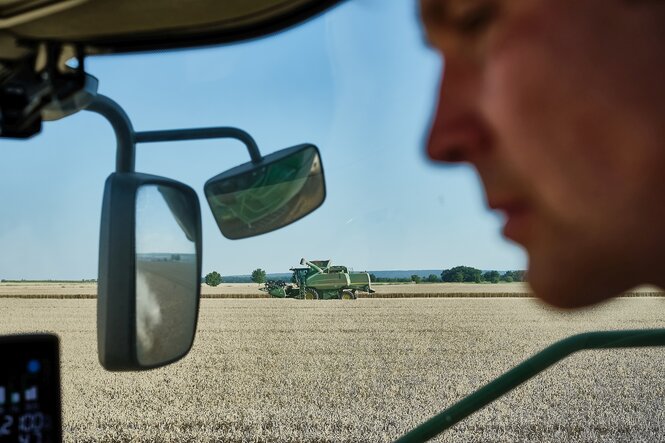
122 283
259 197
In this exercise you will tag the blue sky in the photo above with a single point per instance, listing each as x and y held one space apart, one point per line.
357 82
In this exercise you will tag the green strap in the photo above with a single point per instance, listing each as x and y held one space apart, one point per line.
527 369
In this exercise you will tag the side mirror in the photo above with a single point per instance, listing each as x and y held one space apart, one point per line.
149 272
255 198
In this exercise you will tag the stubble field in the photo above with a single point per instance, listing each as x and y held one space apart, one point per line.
364 370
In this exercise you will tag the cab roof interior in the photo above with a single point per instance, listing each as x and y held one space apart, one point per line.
119 26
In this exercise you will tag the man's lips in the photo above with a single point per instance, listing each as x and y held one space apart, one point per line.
518 218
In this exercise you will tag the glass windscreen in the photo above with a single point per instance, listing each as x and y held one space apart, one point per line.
408 299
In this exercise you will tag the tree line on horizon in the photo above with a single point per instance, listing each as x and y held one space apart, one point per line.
458 274
467 274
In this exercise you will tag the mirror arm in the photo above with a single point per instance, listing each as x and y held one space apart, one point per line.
127 138
122 126
172 135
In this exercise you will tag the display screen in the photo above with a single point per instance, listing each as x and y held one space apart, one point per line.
30 389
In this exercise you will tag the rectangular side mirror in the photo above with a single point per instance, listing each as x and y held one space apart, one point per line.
149 272
255 198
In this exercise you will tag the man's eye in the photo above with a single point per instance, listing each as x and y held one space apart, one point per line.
476 20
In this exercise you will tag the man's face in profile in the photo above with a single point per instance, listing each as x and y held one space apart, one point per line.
559 106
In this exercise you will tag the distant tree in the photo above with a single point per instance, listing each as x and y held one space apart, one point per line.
511 276
416 278
259 275
492 276
460 274
372 278
213 279
433 278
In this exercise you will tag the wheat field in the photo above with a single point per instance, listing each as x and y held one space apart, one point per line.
271 370
251 290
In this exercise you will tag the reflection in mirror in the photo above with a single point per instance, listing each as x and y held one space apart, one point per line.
166 274
255 199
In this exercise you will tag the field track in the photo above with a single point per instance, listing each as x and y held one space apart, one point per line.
250 290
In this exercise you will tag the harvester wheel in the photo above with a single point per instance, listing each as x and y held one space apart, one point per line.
311 294
347 294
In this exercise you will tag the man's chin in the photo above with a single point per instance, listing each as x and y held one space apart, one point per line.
568 288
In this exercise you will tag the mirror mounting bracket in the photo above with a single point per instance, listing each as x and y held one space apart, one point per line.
127 138
41 86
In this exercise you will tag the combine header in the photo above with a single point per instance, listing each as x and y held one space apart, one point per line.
320 281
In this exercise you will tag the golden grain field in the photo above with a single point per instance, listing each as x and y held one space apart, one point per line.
251 290
273 370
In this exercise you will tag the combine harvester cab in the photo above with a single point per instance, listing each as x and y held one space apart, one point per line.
321 281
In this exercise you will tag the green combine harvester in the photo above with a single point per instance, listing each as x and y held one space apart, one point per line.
320 281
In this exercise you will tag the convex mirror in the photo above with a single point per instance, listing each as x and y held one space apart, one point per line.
149 271
256 198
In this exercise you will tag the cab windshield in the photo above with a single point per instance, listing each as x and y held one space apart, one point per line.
359 83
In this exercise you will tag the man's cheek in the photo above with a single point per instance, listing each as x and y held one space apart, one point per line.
513 103
526 120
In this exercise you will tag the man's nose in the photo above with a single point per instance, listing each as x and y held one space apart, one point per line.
458 131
